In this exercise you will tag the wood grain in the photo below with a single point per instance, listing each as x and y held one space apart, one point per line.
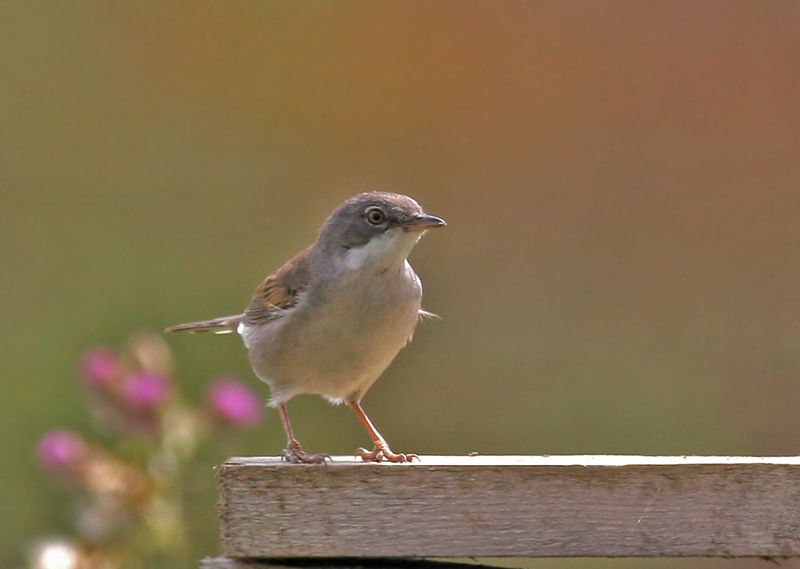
537 506
334 563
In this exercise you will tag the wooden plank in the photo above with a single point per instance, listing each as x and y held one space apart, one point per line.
333 563
532 506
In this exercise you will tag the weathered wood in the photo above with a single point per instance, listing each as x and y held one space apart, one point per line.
333 563
228 563
512 506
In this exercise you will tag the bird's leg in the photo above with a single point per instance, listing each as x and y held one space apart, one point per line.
294 452
382 450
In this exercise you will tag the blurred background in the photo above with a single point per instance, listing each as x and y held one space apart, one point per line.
621 180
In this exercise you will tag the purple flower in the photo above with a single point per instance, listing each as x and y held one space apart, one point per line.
60 451
145 391
234 403
99 366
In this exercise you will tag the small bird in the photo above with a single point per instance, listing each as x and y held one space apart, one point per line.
333 317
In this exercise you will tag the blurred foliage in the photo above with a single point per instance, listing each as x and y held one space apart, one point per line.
131 489
620 271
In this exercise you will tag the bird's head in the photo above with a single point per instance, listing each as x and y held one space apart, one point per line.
375 227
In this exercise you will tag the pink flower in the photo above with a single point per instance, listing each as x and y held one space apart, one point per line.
99 366
234 403
60 451
145 391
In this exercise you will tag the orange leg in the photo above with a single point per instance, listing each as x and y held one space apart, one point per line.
294 451
382 450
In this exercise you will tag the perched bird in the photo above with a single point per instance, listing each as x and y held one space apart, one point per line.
334 316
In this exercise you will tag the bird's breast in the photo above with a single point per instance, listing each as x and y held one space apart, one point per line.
373 299
341 337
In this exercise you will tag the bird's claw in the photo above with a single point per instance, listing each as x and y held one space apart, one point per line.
296 455
383 452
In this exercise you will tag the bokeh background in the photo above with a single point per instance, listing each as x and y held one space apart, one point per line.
621 180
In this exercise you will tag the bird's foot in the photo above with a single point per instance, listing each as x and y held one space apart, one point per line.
294 454
383 452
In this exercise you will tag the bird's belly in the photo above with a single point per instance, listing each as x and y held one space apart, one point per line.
338 348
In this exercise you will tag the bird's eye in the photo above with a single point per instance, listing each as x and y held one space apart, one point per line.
375 215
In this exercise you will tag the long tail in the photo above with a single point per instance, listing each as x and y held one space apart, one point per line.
222 325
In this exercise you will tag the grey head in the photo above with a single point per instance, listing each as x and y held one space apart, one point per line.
374 227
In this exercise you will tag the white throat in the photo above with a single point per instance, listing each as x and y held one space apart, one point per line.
385 251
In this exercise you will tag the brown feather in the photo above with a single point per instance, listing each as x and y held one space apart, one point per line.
279 291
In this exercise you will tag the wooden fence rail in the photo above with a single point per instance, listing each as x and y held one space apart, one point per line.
518 506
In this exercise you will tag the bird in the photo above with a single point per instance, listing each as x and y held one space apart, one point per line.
333 317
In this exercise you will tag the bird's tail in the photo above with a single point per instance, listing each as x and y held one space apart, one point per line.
222 325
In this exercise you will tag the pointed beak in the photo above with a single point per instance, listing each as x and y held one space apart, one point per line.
423 222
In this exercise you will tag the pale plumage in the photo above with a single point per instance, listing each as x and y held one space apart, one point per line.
332 319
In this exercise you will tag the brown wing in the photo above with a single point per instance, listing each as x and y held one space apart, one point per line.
279 291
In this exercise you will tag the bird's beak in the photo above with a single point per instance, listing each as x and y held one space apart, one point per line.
423 222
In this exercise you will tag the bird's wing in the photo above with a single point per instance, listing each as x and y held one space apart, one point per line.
279 291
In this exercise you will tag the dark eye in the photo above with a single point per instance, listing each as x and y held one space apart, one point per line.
375 215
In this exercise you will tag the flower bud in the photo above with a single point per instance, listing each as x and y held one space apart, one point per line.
56 554
99 367
149 353
61 452
145 391
234 403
